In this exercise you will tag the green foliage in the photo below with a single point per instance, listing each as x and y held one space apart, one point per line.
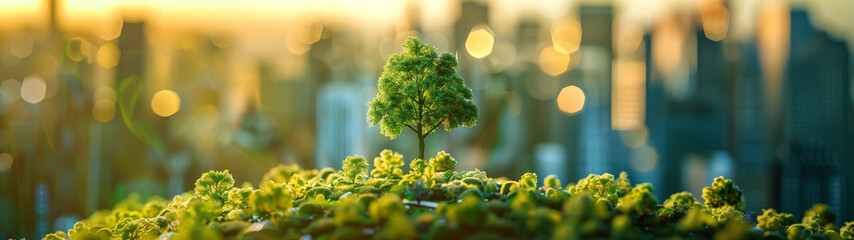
355 169
598 186
238 198
509 187
273 199
797 231
551 181
214 185
387 165
528 181
421 90
826 216
81 231
59 235
448 205
847 231
725 213
723 193
812 222
640 200
383 208
419 171
676 206
623 184
443 162
468 214
770 220
680 198
148 228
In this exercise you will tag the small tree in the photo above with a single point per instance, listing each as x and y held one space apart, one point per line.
421 90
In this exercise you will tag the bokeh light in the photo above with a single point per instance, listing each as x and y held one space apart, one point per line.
643 158
566 35
105 104
110 26
33 89
296 46
165 103
104 92
5 161
221 41
667 45
571 99
480 42
309 30
634 138
11 90
773 38
553 62
21 45
715 19
108 55
104 110
78 49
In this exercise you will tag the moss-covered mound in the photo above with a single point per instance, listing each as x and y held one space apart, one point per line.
432 201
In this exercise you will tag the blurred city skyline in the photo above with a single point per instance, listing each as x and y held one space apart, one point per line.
102 99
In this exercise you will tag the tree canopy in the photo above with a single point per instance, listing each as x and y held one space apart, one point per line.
420 90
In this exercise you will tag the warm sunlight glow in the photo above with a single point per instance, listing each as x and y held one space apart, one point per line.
33 89
309 30
566 35
715 20
21 45
165 103
480 42
104 110
667 44
110 27
628 94
108 56
570 100
553 62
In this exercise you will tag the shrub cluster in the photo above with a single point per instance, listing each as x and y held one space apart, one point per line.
433 201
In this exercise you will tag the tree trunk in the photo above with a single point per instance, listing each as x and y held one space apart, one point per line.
421 146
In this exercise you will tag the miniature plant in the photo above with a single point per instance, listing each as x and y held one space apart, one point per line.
294 203
640 200
355 169
676 206
420 90
420 171
551 181
723 193
825 215
847 231
599 186
623 184
387 165
528 181
770 220
443 162
273 199
214 185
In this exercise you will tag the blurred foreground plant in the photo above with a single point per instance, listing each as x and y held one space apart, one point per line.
433 201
